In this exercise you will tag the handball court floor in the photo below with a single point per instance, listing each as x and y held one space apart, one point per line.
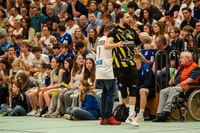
59 125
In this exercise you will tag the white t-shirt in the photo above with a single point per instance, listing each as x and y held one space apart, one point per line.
104 67
27 60
71 30
43 59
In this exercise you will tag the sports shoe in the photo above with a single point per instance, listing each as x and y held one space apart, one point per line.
102 121
131 120
134 123
32 113
67 116
110 121
139 118
55 115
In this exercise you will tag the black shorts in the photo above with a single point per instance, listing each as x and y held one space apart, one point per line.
127 78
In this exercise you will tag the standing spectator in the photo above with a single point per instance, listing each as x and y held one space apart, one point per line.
187 18
37 19
123 63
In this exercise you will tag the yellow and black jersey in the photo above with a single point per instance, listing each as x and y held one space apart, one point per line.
123 56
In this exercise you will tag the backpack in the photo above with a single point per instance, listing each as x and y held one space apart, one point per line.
121 113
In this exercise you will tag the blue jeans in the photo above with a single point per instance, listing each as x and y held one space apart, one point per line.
82 114
108 96
17 110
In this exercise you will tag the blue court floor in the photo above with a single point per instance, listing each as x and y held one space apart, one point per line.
59 125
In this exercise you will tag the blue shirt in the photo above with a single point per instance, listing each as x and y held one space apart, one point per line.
66 38
4 47
91 105
36 22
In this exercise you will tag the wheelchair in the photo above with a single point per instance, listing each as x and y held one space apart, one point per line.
187 104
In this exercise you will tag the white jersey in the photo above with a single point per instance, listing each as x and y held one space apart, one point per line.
104 67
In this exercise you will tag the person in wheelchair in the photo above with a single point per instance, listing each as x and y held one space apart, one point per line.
188 72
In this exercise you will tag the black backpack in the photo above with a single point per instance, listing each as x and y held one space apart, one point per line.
121 113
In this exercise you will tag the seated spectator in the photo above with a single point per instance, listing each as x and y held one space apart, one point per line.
64 37
76 8
3 18
89 109
38 19
4 45
188 72
83 23
66 51
79 35
188 18
145 85
196 9
81 48
47 40
92 37
59 7
71 25
18 28
18 105
176 42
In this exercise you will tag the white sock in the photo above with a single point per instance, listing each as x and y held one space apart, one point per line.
132 110
127 105
141 111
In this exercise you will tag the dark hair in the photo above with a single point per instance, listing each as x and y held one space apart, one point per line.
144 20
4 13
23 77
70 18
89 74
59 66
162 39
119 15
108 16
150 28
176 30
132 4
187 8
56 46
36 49
76 69
61 27
79 45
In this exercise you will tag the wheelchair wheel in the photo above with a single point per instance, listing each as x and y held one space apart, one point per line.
175 111
194 105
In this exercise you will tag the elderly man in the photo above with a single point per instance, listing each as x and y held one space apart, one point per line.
188 72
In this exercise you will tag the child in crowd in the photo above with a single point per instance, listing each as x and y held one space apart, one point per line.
18 104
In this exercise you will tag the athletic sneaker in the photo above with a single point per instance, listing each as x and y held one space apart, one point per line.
131 120
32 113
139 118
110 121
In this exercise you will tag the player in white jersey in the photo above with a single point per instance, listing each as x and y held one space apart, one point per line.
105 79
